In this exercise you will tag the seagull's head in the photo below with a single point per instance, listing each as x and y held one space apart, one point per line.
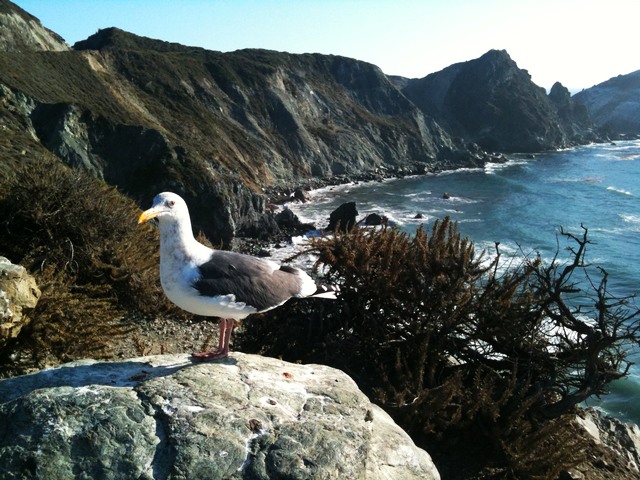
166 205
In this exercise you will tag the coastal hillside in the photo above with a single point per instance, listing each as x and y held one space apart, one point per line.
22 31
614 105
494 103
464 355
146 115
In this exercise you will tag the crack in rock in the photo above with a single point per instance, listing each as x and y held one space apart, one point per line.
164 456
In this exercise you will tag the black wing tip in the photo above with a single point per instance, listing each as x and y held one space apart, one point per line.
326 291
289 269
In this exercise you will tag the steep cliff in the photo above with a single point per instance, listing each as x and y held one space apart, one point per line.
494 103
615 104
218 128
22 31
147 115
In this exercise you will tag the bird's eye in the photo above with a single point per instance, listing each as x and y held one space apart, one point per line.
171 203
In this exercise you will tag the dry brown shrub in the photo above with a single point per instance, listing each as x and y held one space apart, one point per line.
457 351
93 263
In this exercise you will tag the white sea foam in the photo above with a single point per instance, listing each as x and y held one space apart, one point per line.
393 219
418 194
630 218
459 170
578 180
455 199
419 197
491 168
619 190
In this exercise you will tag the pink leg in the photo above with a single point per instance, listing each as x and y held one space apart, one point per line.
226 328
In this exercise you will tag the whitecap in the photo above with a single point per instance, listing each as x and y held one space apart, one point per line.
490 168
619 190
392 219
578 180
419 197
418 194
455 199
630 218
459 170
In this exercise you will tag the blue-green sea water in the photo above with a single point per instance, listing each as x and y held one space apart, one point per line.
522 204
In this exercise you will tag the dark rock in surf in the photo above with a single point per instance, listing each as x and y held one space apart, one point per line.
374 220
343 218
300 195
290 223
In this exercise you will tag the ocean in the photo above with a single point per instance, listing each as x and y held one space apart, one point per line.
522 204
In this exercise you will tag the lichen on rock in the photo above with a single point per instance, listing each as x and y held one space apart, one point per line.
166 417
19 293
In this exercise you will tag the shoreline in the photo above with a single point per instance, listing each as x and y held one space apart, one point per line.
281 194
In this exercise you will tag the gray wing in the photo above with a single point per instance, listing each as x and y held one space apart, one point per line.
252 280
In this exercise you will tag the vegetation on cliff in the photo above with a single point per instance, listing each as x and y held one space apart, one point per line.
478 363
472 360
79 237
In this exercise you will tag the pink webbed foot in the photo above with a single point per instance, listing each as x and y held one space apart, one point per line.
226 327
212 355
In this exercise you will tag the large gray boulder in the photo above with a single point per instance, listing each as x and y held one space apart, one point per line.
19 293
165 417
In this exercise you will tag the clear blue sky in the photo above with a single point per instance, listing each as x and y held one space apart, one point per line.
577 42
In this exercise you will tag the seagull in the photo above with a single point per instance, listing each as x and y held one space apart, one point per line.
218 283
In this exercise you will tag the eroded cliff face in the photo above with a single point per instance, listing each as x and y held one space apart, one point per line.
149 116
218 128
22 31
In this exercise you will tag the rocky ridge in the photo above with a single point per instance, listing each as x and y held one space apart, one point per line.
615 105
22 31
148 116
166 417
494 103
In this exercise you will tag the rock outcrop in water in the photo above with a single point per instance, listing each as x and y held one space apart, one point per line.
614 105
164 417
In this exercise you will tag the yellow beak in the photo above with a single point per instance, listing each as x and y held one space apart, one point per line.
147 215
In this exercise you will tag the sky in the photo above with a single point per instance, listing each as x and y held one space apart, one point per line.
579 43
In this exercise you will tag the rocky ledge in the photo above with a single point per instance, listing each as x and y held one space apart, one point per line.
165 417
